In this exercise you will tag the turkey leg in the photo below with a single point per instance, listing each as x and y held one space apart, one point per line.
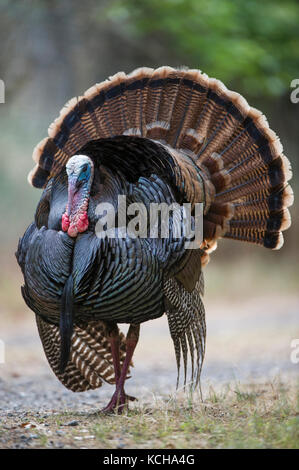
120 399
113 336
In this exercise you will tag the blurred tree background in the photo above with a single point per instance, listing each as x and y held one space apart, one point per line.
52 50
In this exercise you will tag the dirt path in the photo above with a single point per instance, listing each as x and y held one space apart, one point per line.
246 342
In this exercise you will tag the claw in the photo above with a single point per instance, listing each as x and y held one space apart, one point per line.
118 403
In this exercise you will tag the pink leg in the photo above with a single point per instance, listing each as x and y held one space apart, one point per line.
114 341
119 399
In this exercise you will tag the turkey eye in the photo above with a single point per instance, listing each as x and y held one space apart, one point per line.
84 168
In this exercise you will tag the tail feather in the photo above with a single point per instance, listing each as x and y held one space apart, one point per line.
90 361
223 152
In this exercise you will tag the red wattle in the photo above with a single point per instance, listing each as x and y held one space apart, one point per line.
72 231
73 227
83 222
65 222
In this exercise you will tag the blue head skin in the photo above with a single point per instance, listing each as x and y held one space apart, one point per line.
80 171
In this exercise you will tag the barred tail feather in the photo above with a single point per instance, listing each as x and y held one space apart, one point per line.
90 361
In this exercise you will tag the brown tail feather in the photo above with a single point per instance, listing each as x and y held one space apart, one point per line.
224 152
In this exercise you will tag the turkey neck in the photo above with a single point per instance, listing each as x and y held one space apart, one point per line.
77 206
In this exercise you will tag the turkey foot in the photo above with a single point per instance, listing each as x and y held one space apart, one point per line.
118 402
120 399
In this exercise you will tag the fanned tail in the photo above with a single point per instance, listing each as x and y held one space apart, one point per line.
215 147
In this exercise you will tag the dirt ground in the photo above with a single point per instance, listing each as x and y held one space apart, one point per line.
247 343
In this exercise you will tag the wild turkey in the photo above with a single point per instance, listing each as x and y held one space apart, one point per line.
162 135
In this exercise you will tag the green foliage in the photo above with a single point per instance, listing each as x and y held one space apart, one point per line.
249 44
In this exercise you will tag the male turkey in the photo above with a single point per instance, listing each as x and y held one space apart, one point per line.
166 135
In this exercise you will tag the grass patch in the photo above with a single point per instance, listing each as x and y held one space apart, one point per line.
237 416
